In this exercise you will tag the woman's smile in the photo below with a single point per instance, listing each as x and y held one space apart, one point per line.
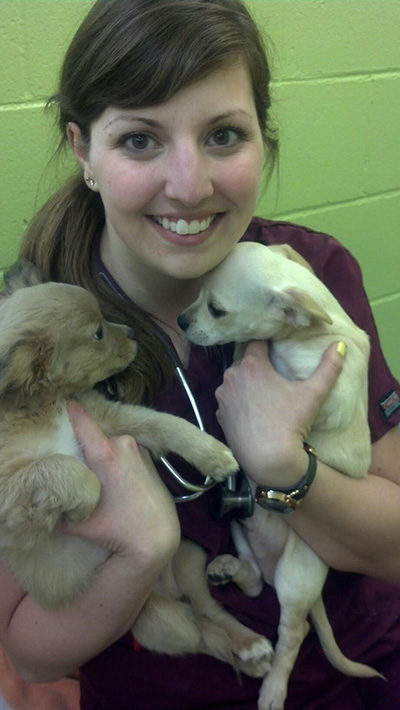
182 226
187 231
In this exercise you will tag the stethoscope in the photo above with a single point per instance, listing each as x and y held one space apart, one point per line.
234 495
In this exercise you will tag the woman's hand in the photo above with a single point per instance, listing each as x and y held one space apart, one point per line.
266 417
135 513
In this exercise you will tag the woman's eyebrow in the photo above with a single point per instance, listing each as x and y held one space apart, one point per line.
229 115
133 118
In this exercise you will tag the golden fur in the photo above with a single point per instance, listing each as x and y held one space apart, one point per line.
55 345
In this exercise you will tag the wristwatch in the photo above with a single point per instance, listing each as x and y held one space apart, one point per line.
286 500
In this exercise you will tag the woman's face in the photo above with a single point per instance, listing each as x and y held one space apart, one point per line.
179 181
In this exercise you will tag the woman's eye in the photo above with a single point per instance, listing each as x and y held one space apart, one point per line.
99 333
139 142
227 136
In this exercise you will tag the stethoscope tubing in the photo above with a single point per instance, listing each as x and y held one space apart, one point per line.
196 489
234 495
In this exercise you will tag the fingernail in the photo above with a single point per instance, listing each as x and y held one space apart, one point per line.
341 349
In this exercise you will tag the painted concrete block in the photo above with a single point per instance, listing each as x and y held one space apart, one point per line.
369 229
12 60
335 141
319 38
28 141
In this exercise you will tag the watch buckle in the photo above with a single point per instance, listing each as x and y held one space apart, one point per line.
287 499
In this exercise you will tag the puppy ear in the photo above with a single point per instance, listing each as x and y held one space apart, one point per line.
21 275
25 365
289 253
297 308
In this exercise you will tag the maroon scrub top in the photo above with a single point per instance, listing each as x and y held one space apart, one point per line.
364 612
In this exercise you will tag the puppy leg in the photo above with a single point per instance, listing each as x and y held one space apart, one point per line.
42 491
299 578
162 433
293 628
253 652
243 571
171 626
57 571
54 568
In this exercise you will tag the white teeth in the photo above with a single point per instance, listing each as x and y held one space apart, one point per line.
165 223
195 227
182 227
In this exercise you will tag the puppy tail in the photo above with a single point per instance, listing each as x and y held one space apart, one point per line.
331 649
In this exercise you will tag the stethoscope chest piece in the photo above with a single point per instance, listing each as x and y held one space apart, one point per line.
232 496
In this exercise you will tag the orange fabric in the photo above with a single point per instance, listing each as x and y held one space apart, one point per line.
60 695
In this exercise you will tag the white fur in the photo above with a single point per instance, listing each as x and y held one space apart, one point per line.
271 293
61 441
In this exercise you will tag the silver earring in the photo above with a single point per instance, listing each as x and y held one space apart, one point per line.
90 181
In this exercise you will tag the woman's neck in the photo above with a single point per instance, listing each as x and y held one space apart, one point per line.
162 297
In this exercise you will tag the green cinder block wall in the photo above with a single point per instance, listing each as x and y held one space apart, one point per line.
336 88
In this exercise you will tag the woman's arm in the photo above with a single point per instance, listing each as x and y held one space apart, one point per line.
136 520
353 525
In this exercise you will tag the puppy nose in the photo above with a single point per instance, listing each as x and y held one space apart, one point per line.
131 334
183 322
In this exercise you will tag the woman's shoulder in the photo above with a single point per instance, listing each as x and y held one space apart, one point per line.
321 250
330 260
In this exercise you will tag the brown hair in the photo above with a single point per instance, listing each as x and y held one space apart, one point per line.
132 53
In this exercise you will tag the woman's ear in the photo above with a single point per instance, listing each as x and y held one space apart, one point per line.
80 150
74 135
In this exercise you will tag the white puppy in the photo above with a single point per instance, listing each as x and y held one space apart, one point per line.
271 293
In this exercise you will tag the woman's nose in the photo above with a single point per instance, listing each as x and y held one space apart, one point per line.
189 177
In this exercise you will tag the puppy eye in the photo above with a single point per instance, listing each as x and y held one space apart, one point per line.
215 312
99 333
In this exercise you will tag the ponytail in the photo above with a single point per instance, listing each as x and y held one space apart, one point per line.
59 241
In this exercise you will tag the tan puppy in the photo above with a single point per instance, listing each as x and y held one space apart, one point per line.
271 293
54 345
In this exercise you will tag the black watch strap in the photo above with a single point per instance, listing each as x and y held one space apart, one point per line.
285 500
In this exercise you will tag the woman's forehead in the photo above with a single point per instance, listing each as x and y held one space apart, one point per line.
224 94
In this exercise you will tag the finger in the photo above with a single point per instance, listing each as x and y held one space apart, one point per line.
85 427
328 370
145 454
258 348
95 445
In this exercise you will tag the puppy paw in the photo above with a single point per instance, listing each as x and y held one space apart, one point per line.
82 504
255 657
273 694
83 509
222 570
220 463
244 573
